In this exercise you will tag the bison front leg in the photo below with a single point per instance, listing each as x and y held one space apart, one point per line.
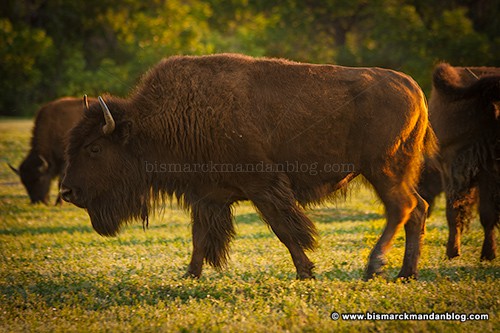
212 232
291 228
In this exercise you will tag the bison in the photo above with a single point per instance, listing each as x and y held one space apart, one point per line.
431 183
467 124
217 129
45 160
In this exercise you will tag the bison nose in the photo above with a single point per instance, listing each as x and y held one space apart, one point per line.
72 195
66 193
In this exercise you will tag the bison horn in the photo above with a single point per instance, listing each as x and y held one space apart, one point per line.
110 123
472 73
85 103
45 165
16 171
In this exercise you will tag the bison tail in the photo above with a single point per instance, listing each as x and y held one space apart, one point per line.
431 146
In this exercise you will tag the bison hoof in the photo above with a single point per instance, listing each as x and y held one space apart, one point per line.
190 275
488 255
369 275
452 253
407 277
309 276
374 268
304 272
452 250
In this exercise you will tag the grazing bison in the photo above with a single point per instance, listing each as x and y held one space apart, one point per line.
45 160
214 130
466 120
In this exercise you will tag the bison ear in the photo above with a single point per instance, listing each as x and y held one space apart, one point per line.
85 103
124 131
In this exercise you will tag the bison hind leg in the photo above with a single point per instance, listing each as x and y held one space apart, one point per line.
414 231
403 206
458 216
489 215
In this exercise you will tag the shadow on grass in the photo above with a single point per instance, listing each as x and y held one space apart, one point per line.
95 294
45 230
331 214
321 215
249 218
15 199
483 272
455 274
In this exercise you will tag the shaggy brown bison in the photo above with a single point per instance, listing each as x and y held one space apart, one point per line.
214 130
466 120
431 184
45 160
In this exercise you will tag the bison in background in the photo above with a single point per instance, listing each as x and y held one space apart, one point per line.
430 184
45 160
466 120
196 128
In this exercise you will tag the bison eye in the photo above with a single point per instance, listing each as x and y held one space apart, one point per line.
95 149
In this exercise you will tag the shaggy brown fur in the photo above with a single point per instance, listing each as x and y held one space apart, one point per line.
214 130
466 120
430 184
45 160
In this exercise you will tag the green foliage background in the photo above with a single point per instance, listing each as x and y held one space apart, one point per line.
53 48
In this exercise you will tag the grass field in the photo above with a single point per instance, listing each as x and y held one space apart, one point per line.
58 275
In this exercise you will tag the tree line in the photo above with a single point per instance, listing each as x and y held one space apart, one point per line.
54 48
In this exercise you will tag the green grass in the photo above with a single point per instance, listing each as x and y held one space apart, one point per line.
58 275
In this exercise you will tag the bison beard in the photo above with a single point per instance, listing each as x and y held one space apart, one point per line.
233 109
107 219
